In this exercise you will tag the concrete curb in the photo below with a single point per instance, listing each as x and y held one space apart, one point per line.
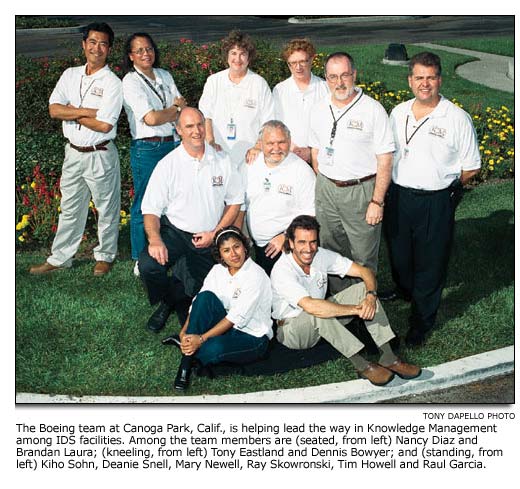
350 20
458 372
51 30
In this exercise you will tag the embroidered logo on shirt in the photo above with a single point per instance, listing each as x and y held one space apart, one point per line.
353 124
283 188
237 292
321 282
250 103
438 131
217 181
97 91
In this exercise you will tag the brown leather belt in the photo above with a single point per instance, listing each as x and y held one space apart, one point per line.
157 139
88 149
350 183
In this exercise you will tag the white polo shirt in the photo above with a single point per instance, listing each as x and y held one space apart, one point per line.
192 193
444 145
102 91
293 106
275 196
290 283
362 133
247 105
246 297
139 99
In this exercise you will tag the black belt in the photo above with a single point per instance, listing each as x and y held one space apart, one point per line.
157 139
88 149
350 183
418 191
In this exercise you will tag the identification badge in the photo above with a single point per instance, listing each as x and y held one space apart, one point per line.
329 156
231 131
406 152
267 185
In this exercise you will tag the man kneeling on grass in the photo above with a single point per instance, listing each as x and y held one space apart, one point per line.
299 282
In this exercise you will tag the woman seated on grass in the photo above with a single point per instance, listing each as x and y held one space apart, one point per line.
230 318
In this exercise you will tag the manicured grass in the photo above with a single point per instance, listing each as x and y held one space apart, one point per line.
472 95
79 334
504 46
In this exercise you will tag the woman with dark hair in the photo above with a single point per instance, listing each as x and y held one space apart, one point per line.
236 101
230 318
152 103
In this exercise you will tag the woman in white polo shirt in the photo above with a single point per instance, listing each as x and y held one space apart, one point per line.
152 103
236 101
230 318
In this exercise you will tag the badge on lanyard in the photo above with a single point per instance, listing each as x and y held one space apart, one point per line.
406 152
267 185
329 155
231 130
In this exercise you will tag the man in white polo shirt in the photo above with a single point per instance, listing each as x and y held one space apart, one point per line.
279 186
352 146
88 100
193 192
299 283
437 153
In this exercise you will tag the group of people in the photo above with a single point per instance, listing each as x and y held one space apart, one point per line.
312 172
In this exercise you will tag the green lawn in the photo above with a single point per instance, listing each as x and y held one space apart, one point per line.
78 334
504 46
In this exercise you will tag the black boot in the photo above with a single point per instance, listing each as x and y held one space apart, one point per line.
158 319
182 379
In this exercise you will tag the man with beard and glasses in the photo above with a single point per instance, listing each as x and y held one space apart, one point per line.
352 145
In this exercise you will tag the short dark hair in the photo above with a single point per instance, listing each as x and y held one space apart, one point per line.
99 27
426 59
127 64
339 54
242 41
309 223
223 235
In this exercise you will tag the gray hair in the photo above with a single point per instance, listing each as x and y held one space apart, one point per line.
274 124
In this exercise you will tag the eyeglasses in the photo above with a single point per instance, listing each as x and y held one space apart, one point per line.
141 51
294 64
334 78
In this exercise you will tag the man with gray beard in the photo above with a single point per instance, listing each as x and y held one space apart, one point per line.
351 151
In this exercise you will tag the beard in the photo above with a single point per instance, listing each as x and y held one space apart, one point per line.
345 95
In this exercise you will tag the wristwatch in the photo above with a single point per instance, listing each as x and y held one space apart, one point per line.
372 292
380 204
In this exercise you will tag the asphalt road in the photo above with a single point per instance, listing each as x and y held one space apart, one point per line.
496 390
278 30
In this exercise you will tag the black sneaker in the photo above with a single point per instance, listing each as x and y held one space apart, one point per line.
159 318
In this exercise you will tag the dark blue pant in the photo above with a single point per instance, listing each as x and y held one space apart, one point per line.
144 156
264 261
190 266
419 231
233 346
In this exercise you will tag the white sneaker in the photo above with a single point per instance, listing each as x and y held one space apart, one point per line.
136 269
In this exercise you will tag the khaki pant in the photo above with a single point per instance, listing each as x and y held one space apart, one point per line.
341 212
84 175
304 331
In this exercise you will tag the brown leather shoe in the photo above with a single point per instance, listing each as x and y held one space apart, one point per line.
404 370
102 268
44 268
376 374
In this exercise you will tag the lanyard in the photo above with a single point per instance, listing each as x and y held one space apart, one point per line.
161 98
335 124
84 94
408 139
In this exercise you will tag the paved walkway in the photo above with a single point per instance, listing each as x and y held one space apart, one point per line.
491 70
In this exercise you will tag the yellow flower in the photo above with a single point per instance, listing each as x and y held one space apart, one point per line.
491 162
33 184
487 152
23 187
122 213
481 148
124 222
21 238
19 226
